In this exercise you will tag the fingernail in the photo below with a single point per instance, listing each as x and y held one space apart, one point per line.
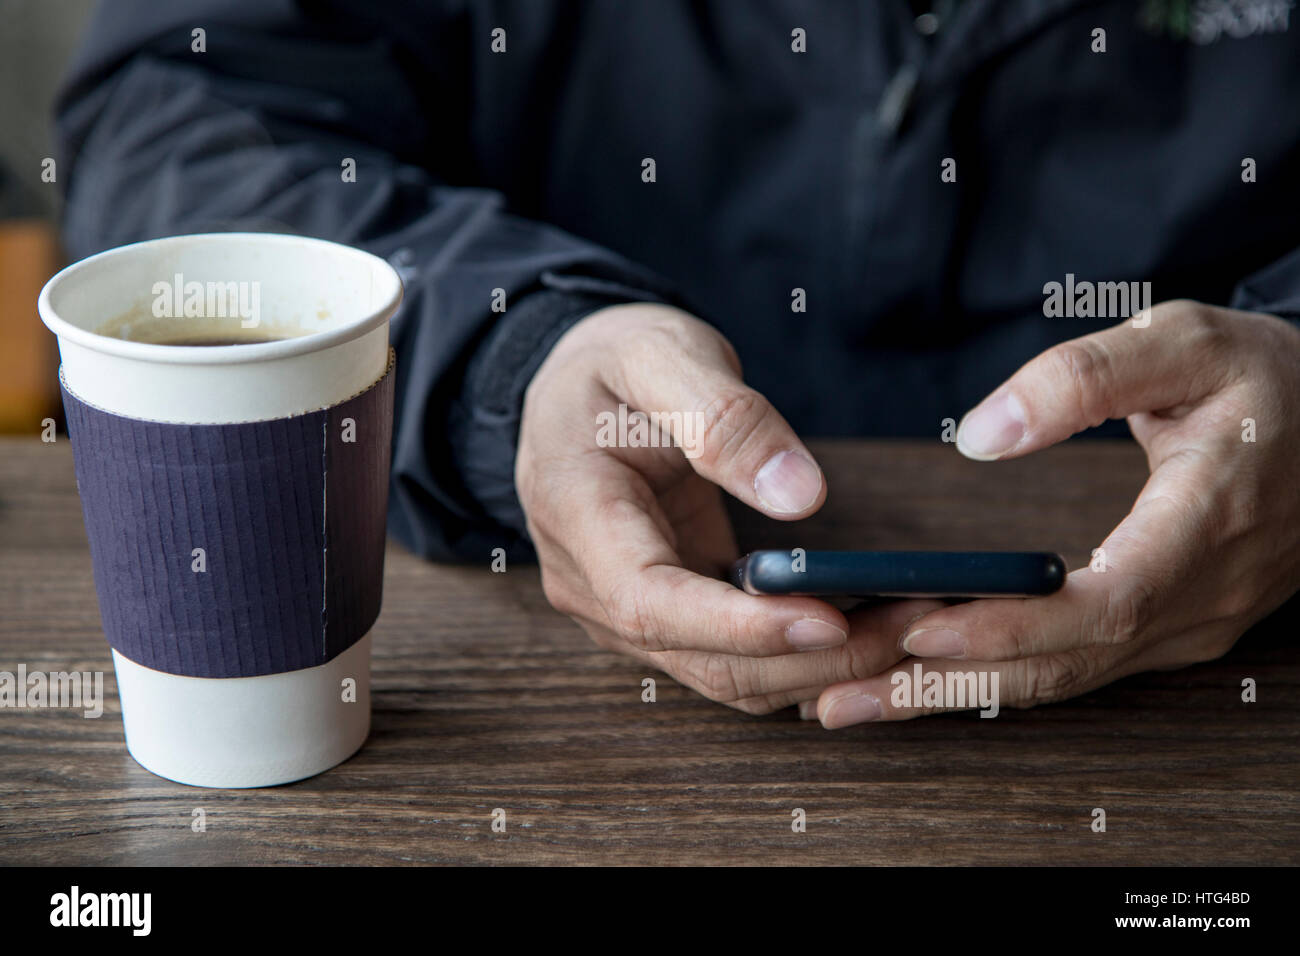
808 710
788 483
810 634
935 642
992 428
851 709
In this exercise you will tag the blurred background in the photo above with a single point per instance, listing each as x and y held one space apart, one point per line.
37 39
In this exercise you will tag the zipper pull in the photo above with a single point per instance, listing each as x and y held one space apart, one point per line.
897 99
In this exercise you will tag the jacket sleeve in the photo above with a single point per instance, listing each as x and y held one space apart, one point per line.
251 132
1275 289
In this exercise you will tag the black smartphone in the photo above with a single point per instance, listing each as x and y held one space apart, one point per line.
968 574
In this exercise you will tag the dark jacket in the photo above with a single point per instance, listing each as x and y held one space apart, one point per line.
775 171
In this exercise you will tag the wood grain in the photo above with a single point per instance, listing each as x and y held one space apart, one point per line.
485 698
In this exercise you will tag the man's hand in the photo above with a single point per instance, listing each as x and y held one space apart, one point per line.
1211 546
633 541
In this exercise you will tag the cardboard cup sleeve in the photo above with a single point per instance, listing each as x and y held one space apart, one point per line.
236 550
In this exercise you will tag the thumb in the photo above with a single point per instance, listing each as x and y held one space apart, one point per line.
1081 383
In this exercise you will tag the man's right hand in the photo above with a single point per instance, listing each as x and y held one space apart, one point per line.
634 542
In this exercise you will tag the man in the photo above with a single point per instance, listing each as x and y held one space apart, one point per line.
884 209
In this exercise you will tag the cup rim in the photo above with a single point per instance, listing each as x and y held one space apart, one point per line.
218 354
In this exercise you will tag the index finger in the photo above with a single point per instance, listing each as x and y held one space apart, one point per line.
1129 368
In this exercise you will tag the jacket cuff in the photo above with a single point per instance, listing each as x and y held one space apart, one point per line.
483 429
1274 290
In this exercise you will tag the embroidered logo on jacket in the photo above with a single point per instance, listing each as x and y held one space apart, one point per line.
1206 21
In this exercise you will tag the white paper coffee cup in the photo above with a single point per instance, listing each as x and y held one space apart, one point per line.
332 304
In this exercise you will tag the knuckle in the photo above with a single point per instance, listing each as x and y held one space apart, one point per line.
557 593
755 706
675 329
675 333
534 530
1174 310
603 639
1052 678
1085 369
1240 515
631 617
526 480
537 487
666 334
861 661
1206 340
623 508
1015 642
730 419
730 356
1210 338
1195 316
1218 644
1235 603
713 676
1128 611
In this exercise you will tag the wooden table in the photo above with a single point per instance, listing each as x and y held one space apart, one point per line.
485 697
